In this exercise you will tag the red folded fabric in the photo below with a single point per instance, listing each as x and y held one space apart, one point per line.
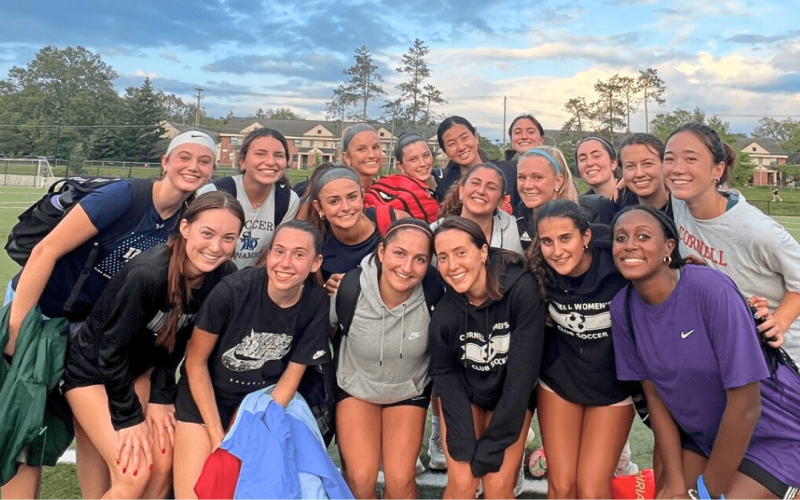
219 477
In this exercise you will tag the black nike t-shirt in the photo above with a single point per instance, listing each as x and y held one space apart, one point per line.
258 339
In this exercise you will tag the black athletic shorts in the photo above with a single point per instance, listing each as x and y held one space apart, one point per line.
421 401
186 409
748 468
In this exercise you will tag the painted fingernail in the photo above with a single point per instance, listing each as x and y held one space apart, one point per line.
163 450
135 472
125 469
151 466
117 462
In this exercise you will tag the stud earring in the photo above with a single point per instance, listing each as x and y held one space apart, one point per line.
586 247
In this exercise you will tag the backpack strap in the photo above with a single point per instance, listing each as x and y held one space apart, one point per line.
628 318
346 299
283 195
142 200
384 216
226 185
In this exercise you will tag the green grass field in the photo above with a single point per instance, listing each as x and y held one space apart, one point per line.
61 481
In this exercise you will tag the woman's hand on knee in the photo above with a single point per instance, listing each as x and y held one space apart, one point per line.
161 423
134 448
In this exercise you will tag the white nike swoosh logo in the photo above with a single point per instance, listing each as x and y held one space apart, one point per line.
318 354
414 335
686 334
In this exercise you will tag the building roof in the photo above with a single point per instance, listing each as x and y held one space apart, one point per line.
770 146
298 128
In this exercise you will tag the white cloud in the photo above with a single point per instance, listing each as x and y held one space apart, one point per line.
146 74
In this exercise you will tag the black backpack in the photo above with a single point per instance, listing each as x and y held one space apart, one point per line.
318 385
283 193
40 218
350 288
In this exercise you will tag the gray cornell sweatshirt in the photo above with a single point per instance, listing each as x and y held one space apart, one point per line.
384 357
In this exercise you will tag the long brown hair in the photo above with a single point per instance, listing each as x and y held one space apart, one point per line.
452 203
178 289
498 258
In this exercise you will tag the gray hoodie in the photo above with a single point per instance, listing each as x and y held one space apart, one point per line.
384 357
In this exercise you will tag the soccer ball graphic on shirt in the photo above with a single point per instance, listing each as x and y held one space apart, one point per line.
576 321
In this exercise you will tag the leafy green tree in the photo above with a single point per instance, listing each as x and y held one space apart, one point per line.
176 109
361 87
494 151
77 157
284 114
609 109
70 86
415 96
144 113
630 87
653 89
664 123
580 114
785 132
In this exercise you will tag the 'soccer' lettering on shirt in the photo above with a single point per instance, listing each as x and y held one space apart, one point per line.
715 255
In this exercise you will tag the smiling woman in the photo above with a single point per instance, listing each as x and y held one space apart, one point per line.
477 196
578 388
384 386
119 378
128 217
486 341
262 190
259 327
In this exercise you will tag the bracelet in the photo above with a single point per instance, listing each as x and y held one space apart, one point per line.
702 491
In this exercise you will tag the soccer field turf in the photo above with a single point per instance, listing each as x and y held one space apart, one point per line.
61 481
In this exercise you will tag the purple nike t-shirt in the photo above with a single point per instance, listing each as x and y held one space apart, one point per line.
695 345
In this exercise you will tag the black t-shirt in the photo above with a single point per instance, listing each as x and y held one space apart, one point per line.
116 344
258 339
340 258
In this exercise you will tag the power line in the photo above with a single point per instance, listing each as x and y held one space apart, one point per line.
24 125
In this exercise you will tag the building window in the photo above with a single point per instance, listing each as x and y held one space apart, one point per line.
234 140
319 131
381 134
754 148
297 142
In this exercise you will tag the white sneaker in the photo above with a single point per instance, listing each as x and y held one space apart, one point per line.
520 479
419 468
436 453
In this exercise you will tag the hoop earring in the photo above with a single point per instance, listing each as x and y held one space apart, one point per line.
321 215
667 260
716 181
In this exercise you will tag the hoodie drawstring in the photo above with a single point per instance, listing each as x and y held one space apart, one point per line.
402 329
383 319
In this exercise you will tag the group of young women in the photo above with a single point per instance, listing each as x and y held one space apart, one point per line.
523 298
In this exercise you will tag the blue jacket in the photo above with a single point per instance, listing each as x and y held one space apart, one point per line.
282 451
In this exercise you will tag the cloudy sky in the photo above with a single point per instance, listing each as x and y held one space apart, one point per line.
738 59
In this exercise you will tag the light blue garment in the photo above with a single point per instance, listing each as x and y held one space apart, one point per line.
282 451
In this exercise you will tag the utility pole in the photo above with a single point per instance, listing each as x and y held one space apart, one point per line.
197 111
